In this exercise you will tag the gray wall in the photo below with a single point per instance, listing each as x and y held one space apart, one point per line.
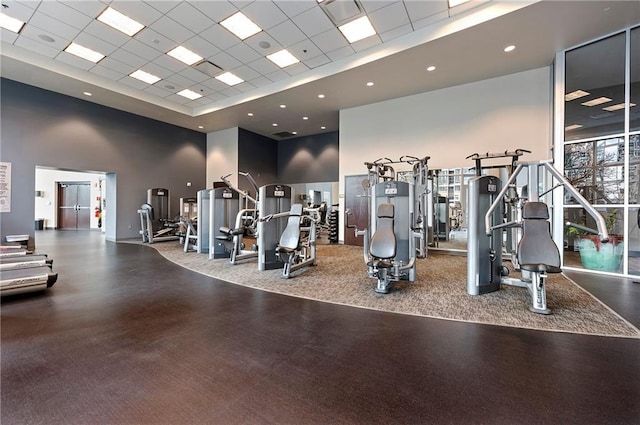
309 159
257 155
44 128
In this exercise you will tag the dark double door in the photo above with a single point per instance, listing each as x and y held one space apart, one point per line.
74 205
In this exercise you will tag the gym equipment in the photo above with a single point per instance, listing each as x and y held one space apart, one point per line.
224 204
24 262
273 199
397 226
188 223
297 245
26 280
535 254
155 225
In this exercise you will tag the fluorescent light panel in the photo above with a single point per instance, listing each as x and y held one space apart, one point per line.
189 94
145 76
185 55
357 30
11 24
121 22
597 101
575 95
572 127
454 3
618 107
229 78
84 53
241 26
283 58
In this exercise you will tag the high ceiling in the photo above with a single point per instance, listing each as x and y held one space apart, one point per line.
465 43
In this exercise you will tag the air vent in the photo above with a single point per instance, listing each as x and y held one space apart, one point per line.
283 134
342 11
209 68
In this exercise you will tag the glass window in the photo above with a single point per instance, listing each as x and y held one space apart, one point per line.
634 241
634 169
634 124
594 89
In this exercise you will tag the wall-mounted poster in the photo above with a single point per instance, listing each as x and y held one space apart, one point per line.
5 187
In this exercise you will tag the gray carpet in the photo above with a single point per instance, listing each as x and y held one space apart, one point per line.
438 292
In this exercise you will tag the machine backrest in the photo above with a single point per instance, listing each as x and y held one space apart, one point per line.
290 237
383 242
149 210
536 246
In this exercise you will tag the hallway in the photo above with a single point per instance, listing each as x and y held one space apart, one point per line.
126 337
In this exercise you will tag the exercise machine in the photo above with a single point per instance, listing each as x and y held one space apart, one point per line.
155 224
397 221
505 222
273 199
25 272
224 205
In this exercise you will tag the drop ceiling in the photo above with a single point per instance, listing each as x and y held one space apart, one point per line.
465 43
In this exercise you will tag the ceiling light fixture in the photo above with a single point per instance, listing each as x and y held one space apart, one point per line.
250 114
357 30
618 107
11 24
370 84
189 94
84 53
431 68
87 93
294 132
597 101
185 55
454 3
200 127
121 22
323 128
305 118
283 106
241 26
577 94
321 96
274 124
572 127
510 48
230 79
283 58
145 76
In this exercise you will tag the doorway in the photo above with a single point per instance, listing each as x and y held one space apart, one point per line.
74 205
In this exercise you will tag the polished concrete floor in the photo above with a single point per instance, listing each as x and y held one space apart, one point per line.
126 337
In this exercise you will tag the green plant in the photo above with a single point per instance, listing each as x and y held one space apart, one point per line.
610 222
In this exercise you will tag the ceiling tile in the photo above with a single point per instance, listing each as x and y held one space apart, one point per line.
64 14
158 91
296 68
163 6
219 37
8 36
264 66
373 5
265 14
389 17
313 22
294 8
75 61
422 23
258 41
54 26
105 32
330 40
117 66
215 85
243 53
106 72
19 10
317 61
201 46
138 10
225 61
172 64
396 32
155 40
244 87
140 49
133 82
91 8
305 49
157 70
287 33
230 92
260 81
214 97
171 29
179 81
217 11
419 9
36 46
94 43
178 99
278 75
190 17
366 43
33 33
246 73
195 75
340 53
127 58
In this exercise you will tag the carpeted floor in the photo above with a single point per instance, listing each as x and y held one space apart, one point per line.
438 292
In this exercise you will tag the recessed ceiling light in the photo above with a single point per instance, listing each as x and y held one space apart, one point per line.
11 24
189 94
121 22
357 30
200 127
229 78
283 106
510 48
274 124
572 127
431 68
323 128
575 95
84 53
241 26
321 96
87 93
597 101
454 3
294 132
145 76
283 58
618 107
370 84
185 55
305 118
250 114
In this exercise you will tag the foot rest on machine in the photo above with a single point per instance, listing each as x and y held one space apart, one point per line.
228 233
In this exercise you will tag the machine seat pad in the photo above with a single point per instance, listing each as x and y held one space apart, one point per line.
540 268
285 249
536 248
383 242
290 237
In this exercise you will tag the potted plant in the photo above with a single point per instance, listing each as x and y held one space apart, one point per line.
598 255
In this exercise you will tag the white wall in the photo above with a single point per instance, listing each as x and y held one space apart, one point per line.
493 115
222 155
46 181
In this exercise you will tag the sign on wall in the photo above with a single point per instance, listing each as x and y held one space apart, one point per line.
5 187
